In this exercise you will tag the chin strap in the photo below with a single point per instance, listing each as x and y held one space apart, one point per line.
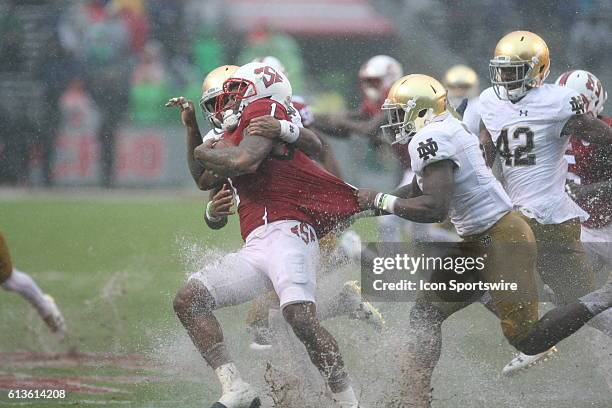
230 120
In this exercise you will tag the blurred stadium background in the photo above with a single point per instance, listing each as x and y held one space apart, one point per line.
73 70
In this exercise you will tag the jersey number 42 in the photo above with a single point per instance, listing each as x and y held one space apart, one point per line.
520 155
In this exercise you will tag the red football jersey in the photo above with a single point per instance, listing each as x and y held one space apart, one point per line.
591 164
288 185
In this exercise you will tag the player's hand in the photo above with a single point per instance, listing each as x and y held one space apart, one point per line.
222 203
265 126
365 198
186 108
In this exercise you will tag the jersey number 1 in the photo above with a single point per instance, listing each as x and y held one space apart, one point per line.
520 155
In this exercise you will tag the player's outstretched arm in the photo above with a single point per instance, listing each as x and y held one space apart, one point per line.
233 161
410 190
588 128
204 179
432 206
269 127
219 207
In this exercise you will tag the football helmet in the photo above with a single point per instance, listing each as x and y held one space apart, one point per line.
592 91
461 82
273 62
521 61
377 75
212 86
249 83
413 101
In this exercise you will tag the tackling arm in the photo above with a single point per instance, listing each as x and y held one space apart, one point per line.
588 128
309 143
410 190
434 203
271 128
205 179
218 207
431 206
233 161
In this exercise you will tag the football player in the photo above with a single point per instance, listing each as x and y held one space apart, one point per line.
452 178
462 84
528 124
590 173
305 118
219 207
14 280
286 202
375 78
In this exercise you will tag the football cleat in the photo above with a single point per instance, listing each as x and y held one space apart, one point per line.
241 395
360 309
524 361
53 318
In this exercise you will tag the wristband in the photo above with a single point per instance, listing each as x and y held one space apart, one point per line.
385 202
289 132
210 217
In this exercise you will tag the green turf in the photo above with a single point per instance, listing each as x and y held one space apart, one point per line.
114 265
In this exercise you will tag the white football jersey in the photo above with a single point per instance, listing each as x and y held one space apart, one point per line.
471 116
529 142
479 200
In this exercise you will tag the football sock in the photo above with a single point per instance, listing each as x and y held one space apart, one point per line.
217 356
346 397
555 326
25 286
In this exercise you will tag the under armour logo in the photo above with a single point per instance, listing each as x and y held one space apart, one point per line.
521 113
577 105
291 129
427 148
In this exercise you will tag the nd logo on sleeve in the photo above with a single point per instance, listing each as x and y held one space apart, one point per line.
427 148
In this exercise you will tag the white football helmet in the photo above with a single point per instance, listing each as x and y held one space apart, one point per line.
249 83
593 93
273 62
377 75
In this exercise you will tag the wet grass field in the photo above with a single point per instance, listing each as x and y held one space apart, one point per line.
113 265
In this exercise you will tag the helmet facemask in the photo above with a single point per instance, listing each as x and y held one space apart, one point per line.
404 120
208 103
512 80
230 102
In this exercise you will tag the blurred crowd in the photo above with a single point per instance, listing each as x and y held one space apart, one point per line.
124 58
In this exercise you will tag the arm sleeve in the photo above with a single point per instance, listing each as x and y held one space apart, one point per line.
570 103
431 147
471 116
